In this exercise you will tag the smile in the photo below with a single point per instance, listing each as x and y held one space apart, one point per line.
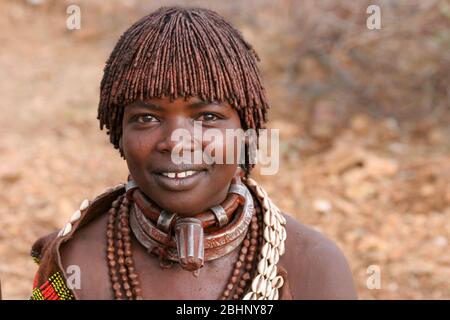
179 175
180 181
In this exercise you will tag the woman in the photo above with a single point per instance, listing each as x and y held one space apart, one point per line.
189 230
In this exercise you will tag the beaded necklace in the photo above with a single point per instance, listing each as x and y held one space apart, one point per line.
255 272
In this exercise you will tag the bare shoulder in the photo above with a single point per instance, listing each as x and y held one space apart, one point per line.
317 267
87 251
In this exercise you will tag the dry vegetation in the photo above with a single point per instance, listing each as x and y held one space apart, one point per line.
364 119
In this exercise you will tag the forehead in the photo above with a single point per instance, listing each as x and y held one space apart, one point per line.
180 104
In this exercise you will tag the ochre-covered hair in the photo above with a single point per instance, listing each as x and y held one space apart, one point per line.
182 52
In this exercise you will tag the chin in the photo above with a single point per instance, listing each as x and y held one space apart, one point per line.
180 207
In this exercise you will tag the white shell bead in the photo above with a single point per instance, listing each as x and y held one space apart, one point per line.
75 216
266 204
268 218
281 248
259 192
268 270
276 224
277 282
277 239
267 221
84 204
267 233
275 296
262 266
264 192
282 219
273 238
283 233
275 209
279 218
67 229
268 289
273 293
274 257
274 221
265 251
248 296
262 285
255 283
273 272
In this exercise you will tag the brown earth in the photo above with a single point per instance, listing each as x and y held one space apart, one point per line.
378 186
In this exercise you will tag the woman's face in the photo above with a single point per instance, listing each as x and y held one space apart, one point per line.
149 151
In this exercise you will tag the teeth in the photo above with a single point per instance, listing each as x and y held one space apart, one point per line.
182 174
171 174
189 173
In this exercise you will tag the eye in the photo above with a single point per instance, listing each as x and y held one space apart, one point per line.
144 118
208 117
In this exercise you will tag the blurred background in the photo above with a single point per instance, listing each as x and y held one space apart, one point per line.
364 119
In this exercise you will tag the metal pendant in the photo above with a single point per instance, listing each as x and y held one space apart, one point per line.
189 238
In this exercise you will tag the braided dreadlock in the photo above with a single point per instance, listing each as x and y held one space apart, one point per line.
182 52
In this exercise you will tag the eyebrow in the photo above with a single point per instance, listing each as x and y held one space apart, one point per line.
193 105
204 103
146 105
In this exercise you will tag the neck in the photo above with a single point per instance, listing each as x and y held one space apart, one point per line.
190 240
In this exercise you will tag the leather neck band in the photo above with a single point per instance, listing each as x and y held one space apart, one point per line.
190 244
217 216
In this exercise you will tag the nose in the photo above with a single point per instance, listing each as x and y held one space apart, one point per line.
177 132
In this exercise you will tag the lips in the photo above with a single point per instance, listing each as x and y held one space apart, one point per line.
179 168
180 178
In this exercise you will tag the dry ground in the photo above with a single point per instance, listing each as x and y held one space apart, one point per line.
378 187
